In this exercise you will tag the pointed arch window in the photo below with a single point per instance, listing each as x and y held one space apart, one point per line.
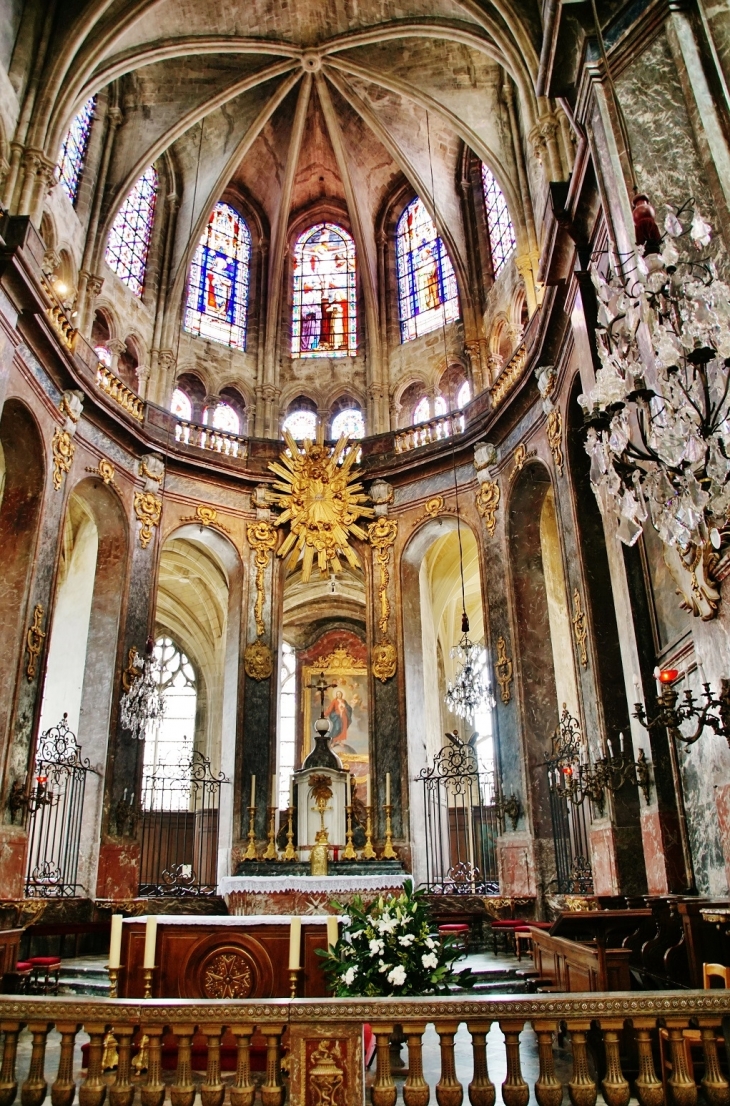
218 285
129 238
427 293
324 306
72 155
502 239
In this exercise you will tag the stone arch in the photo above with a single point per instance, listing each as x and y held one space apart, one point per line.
207 625
22 452
83 642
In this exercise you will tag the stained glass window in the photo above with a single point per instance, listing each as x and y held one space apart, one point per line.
463 395
324 298
219 280
422 412
350 422
72 154
301 425
222 417
104 355
427 293
181 406
129 238
169 742
501 232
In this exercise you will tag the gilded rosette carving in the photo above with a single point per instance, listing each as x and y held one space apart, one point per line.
227 975
148 509
321 500
258 662
385 661
62 447
487 500
262 539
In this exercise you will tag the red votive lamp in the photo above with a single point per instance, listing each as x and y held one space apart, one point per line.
668 675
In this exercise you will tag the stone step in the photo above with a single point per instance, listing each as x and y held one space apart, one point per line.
95 987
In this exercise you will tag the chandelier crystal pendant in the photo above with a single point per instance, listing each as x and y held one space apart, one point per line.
470 689
658 418
142 704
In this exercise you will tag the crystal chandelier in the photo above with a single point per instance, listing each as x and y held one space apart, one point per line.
470 689
142 704
658 417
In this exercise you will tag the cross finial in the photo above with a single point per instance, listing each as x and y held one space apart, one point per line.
321 686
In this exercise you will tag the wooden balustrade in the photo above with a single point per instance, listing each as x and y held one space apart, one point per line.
322 1043
207 437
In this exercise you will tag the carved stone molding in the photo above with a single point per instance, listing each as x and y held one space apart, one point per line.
105 470
206 516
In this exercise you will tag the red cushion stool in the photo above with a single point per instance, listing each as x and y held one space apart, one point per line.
507 927
23 971
46 970
456 929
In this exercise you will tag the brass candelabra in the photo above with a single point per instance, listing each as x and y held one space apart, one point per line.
368 853
271 853
113 980
250 853
149 974
389 852
294 981
349 850
290 853
671 715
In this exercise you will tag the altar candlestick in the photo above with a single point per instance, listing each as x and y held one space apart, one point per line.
368 791
291 792
275 792
349 788
150 941
295 942
387 788
252 801
115 944
332 931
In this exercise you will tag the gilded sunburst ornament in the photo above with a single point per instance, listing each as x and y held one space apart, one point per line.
321 501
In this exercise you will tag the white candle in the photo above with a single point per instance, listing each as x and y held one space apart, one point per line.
387 788
332 931
368 791
291 792
637 689
349 789
275 791
252 800
115 943
150 941
295 942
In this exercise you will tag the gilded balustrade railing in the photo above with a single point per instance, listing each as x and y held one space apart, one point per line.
117 390
321 1040
433 430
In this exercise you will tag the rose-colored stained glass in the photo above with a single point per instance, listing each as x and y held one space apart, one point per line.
427 293
104 355
301 425
501 231
72 155
350 422
219 280
324 303
129 238
181 405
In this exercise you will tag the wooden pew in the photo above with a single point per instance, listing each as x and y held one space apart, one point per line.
572 966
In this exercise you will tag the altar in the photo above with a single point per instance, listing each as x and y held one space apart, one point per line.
248 896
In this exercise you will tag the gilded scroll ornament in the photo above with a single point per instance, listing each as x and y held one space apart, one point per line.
262 539
382 534
385 661
321 500
555 437
132 672
62 447
325 1077
258 663
339 659
487 500
503 670
228 975
519 458
105 470
34 641
148 509
580 628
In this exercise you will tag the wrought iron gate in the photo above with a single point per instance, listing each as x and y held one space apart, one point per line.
56 809
463 821
180 807
567 772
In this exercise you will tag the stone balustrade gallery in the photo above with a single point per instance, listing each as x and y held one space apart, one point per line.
311 1050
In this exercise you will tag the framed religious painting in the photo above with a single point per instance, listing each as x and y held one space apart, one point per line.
346 705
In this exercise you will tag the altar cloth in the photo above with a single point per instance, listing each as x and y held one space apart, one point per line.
230 885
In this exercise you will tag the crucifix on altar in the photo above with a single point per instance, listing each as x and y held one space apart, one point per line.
315 815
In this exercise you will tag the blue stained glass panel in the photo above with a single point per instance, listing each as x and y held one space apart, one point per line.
324 301
129 238
72 155
501 231
427 292
218 285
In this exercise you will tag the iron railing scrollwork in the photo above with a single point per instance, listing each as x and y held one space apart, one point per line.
566 768
179 819
463 818
55 813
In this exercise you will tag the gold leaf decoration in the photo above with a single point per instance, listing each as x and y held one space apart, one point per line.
555 438
258 662
262 539
487 500
385 661
148 509
34 641
503 669
580 628
321 500
62 448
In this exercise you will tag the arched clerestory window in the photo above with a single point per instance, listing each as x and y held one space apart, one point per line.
129 238
169 742
218 284
324 296
301 419
502 239
427 292
72 155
